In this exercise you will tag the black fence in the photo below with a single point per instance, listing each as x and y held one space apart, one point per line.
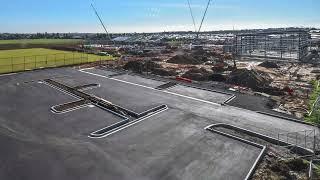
24 63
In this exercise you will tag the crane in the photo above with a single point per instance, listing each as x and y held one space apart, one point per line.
193 20
197 31
104 27
204 16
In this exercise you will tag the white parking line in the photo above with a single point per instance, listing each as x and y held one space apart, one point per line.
172 93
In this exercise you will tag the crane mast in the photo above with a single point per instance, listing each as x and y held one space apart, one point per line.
104 27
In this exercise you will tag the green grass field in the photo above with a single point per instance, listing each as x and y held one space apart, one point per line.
28 59
41 41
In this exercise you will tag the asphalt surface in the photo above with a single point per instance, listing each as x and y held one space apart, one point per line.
200 94
139 80
39 144
244 101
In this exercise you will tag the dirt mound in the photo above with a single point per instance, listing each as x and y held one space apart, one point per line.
150 65
141 66
269 64
197 74
164 72
135 66
274 167
254 80
218 78
156 59
248 78
184 59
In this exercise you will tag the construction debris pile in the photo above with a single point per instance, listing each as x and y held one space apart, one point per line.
287 84
269 64
197 74
254 80
148 66
274 167
184 59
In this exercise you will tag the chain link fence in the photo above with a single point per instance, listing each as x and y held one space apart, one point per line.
24 63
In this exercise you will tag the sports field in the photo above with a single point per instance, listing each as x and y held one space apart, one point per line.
28 59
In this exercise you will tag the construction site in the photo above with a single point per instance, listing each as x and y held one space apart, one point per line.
174 105
288 83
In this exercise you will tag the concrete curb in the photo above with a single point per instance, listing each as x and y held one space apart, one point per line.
273 115
103 132
128 124
151 76
301 150
294 148
259 158
287 118
229 100
233 96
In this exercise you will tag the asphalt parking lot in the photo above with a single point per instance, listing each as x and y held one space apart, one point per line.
170 145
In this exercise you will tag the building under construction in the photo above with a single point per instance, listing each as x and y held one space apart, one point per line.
285 44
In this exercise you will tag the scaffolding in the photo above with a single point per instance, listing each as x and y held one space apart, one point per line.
283 45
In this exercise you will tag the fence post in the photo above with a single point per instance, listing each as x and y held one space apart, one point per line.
24 63
47 60
64 59
314 140
55 60
11 64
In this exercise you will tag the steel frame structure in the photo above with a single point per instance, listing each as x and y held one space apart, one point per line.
283 45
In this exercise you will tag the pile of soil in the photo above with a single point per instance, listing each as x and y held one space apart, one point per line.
156 59
164 72
269 64
197 74
184 59
274 167
248 78
218 78
150 65
141 66
135 66
199 52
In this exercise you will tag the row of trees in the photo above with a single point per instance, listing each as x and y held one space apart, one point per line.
9 36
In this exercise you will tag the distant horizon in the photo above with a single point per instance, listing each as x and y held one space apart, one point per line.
128 16
187 31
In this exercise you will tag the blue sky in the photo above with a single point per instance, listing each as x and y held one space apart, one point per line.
153 15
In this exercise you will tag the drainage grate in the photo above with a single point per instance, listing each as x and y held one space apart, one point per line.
166 86
86 87
118 74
